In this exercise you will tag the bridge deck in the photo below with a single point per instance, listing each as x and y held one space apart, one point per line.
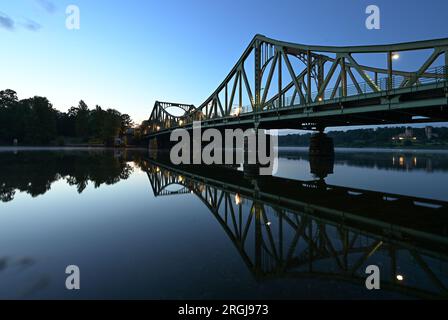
282 95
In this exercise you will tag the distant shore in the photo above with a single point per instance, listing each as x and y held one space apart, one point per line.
436 148
337 148
70 147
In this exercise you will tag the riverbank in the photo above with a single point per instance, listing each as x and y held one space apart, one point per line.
368 150
85 147
412 147
281 148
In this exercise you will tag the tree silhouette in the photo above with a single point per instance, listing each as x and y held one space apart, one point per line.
35 121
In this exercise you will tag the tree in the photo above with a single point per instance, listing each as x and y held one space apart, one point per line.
8 97
41 126
8 101
35 121
111 126
82 120
66 124
126 122
97 118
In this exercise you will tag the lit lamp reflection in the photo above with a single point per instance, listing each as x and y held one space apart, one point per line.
238 199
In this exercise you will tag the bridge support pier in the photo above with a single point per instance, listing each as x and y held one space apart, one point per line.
152 144
253 169
160 143
321 145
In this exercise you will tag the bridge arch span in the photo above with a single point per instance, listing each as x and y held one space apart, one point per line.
327 79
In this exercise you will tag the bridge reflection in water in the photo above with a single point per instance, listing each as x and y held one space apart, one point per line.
286 228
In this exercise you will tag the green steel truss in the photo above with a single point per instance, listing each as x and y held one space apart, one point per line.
277 84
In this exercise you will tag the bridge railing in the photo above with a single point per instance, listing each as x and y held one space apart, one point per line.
433 75
317 74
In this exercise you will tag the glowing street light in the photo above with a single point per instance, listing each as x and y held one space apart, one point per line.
236 111
395 56
400 277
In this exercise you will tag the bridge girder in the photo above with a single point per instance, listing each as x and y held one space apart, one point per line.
294 76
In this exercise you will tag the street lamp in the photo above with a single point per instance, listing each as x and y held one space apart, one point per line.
395 56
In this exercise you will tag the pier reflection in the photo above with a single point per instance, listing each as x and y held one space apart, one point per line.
285 228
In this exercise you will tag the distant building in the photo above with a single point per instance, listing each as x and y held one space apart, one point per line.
429 134
407 135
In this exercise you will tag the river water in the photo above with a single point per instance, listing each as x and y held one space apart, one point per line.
139 227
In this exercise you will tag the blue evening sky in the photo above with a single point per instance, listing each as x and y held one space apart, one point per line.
129 53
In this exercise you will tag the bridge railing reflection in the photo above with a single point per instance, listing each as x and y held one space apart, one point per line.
282 235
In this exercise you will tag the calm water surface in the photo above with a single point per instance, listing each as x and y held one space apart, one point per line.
138 227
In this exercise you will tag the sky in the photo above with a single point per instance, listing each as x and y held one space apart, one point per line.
129 53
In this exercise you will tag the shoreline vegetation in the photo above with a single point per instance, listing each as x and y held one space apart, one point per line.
34 122
428 138
143 148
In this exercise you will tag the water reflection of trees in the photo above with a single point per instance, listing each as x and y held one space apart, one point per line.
35 172
393 160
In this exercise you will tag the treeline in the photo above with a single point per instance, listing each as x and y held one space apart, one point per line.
34 121
379 137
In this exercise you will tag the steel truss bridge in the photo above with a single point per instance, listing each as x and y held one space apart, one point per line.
280 85
286 228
